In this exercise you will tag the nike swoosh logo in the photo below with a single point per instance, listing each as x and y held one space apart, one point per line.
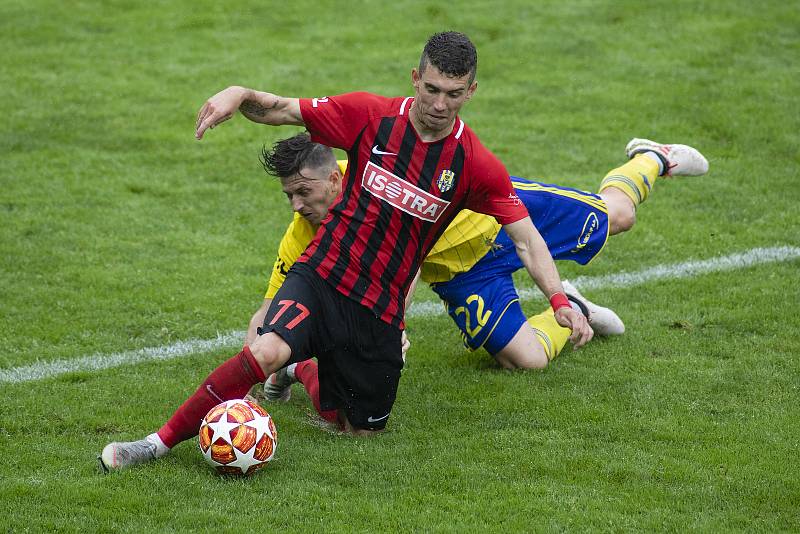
371 420
213 393
382 153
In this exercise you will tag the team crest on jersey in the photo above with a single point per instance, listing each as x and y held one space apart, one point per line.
445 181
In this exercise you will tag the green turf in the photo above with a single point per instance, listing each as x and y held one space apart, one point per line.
119 231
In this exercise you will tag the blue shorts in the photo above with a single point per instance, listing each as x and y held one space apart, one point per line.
483 301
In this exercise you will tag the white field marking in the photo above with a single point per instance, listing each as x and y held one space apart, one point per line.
97 362
42 370
741 260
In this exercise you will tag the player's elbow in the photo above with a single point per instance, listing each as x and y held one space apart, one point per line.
523 247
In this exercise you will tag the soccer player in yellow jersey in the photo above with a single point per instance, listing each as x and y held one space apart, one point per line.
470 267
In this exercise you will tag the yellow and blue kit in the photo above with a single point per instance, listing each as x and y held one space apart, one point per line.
482 299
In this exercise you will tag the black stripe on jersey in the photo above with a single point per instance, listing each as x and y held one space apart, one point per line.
457 166
326 240
378 234
406 152
426 177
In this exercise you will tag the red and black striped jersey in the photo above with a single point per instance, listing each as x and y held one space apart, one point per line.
399 194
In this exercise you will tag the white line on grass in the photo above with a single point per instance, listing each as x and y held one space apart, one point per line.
741 260
96 362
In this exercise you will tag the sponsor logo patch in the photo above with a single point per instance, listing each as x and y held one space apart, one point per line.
401 194
591 224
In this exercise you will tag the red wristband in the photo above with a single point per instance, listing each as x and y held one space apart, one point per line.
558 301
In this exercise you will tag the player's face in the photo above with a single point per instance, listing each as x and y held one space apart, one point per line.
438 97
311 192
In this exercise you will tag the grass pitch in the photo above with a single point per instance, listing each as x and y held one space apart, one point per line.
119 231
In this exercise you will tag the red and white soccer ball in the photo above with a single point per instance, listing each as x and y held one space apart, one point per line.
237 437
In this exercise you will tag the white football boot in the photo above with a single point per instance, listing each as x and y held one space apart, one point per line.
603 321
120 455
679 160
278 386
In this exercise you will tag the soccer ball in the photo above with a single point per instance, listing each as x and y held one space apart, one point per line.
237 437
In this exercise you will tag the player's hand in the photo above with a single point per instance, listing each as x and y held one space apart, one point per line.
406 344
218 109
582 333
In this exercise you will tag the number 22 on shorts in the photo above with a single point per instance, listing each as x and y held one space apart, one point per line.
481 318
285 305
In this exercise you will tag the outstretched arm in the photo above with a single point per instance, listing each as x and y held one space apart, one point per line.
533 252
257 106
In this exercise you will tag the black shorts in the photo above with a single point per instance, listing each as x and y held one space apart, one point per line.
359 355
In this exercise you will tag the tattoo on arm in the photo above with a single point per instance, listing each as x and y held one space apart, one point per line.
251 107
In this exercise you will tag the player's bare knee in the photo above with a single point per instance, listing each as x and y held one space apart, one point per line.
525 359
622 220
532 361
270 351
621 210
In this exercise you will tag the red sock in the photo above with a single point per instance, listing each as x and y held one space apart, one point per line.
231 380
306 373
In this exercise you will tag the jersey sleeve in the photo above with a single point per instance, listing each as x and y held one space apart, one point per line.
336 121
296 239
491 192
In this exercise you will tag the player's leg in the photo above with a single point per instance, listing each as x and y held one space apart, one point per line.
539 339
359 374
231 380
621 210
485 307
536 342
278 387
354 383
627 186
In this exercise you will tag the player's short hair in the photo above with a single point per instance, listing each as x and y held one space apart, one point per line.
452 53
290 155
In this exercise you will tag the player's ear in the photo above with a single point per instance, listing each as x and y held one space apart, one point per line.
415 78
335 178
471 90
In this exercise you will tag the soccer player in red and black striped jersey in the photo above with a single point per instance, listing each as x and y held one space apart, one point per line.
413 164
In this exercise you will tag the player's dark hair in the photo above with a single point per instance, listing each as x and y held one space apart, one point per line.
290 155
452 53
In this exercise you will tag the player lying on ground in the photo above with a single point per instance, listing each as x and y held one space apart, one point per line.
471 265
414 165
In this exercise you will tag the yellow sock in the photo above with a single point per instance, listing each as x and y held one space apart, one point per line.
636 178
550 334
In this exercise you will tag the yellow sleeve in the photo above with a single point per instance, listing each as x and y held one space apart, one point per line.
294 242
462 244
342 163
